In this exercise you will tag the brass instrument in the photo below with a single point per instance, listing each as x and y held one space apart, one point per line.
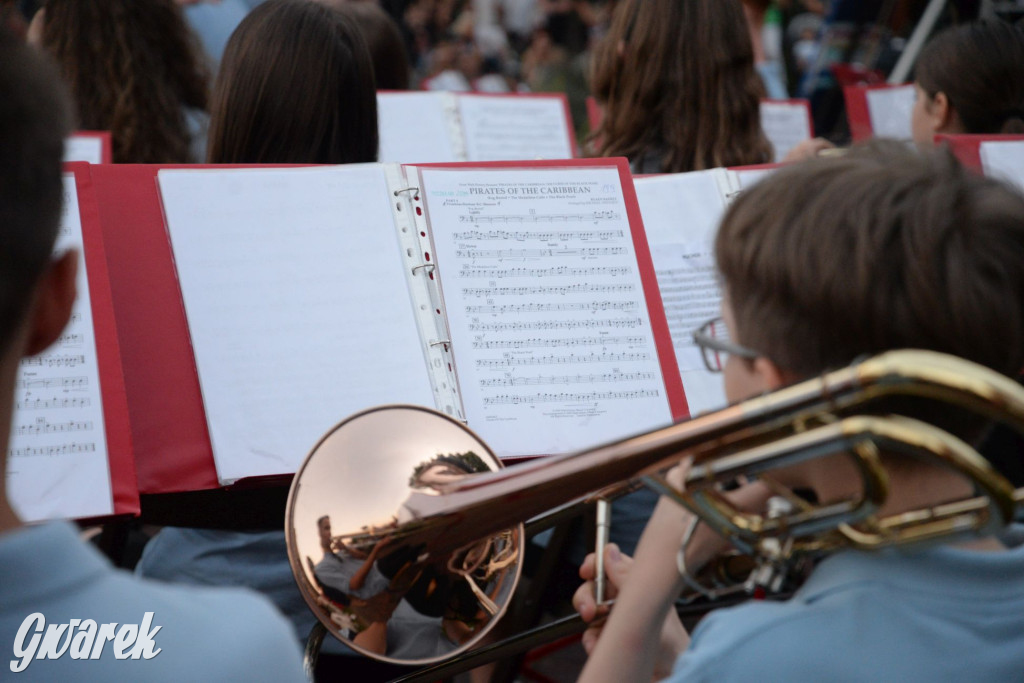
405 533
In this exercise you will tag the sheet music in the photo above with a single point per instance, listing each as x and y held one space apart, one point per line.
500 128
415 127
83 148
891 110
57 463
1004 160
296 303
681 217
550 330
786 124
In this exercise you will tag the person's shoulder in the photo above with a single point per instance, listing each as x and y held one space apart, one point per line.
233 631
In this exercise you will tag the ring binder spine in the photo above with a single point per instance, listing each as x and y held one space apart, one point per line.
424 288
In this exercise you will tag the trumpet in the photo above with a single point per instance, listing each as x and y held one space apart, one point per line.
438 521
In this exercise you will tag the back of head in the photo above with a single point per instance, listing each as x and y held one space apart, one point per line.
881 249
34 120
133 67
677 79
980 68
295 86
384 39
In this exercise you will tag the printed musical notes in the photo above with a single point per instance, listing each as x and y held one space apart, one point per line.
502 128
681 215
534 307
57 461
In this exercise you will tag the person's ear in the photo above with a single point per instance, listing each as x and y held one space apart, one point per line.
54 299
620 49
941 113
768 374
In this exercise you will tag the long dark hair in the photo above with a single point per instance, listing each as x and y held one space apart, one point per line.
295 86
980 68
133 66
677 78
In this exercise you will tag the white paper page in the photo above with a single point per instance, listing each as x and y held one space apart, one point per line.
297 306
751 177
1004 160
786 124
57 463
681 217
414 127
549 326
512 128
83 148
891 110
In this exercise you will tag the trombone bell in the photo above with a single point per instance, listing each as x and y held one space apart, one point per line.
371 569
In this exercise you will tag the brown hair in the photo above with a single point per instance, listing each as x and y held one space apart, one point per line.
34 119
391 68
881 249
677 79
980 68
133 67
295 86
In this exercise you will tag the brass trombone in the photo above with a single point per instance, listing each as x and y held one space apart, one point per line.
405 535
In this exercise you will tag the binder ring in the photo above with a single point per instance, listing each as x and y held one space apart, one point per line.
407 189
440 342
423 265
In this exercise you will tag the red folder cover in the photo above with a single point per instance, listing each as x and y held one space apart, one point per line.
124 491
172 445
967 148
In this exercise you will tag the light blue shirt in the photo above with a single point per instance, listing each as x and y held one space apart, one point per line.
204 634
942 614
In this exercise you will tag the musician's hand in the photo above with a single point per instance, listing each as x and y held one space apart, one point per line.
808 149
617 567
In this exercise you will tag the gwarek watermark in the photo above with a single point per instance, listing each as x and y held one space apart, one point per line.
82 639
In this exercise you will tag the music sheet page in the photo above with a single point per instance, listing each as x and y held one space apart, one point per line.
83 148
681 216
786 124
502 128
57 463
415 128
891 110
297 306
1004 160
549 326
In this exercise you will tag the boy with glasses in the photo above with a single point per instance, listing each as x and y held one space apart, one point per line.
823 263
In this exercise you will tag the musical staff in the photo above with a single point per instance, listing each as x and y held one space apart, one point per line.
557 271
539 290
61 449
49 403
523 236
53 383
591 306
539 343
596 216
554 359
555 325
62 360
516 399
44 427
540 253
568 379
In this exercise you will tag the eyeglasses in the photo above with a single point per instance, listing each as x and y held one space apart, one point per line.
715 348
